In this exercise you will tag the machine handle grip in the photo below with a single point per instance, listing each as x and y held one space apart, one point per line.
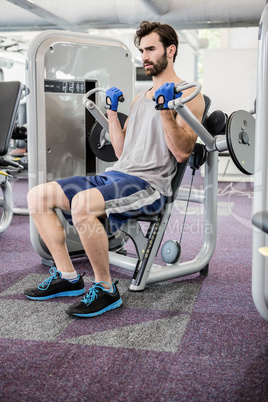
182 87
91 92
98 89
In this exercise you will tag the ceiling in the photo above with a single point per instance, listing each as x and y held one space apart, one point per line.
83 15
21 19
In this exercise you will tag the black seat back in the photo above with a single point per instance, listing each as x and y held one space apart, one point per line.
207 106
10 96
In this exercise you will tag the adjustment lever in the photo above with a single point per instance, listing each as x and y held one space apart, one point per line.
8 162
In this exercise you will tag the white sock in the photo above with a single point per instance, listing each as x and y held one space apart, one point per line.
70 276
111 290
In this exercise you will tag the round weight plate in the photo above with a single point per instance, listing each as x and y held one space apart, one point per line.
240 134
171 251
105 153
216 122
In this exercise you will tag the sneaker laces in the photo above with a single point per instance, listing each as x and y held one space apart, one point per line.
93 292
46 283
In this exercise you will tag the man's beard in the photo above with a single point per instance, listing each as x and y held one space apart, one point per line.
159 66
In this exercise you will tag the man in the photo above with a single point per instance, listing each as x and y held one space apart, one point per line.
153 139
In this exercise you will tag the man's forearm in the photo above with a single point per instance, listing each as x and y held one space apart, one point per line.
179 141
117 135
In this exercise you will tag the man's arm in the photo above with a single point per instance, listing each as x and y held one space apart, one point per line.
116 133
180 138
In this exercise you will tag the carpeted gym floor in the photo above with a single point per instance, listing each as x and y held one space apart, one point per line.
190 339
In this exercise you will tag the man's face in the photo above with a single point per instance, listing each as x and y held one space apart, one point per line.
153 54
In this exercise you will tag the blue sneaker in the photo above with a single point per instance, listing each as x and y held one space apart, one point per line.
97 301
56 286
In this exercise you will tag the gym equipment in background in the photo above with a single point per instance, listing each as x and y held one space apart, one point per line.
10 96
260 204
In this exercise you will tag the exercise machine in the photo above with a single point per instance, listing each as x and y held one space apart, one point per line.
68 135
234 133
60 68
10 97
260 205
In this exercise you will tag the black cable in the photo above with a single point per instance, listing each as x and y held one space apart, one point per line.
188 200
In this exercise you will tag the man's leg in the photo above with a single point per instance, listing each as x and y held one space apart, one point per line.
103 296
42 200
87 207
64 280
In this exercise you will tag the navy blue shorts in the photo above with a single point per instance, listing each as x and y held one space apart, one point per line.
125 196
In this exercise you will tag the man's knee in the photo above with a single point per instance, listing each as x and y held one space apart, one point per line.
46 196
35 198
81 212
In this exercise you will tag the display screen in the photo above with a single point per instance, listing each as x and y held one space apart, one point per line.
67 87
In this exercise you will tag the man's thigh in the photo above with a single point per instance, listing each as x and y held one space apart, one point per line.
89 202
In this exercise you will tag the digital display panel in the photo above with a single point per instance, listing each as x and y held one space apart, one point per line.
67 87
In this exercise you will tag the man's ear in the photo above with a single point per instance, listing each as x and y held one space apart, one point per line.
171 50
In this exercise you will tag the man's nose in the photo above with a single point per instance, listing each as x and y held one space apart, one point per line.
145 56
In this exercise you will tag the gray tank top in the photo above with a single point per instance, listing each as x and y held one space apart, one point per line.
145 153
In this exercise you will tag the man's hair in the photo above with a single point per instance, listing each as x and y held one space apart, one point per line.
167 34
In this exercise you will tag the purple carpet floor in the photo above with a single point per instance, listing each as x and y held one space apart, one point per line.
191 339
